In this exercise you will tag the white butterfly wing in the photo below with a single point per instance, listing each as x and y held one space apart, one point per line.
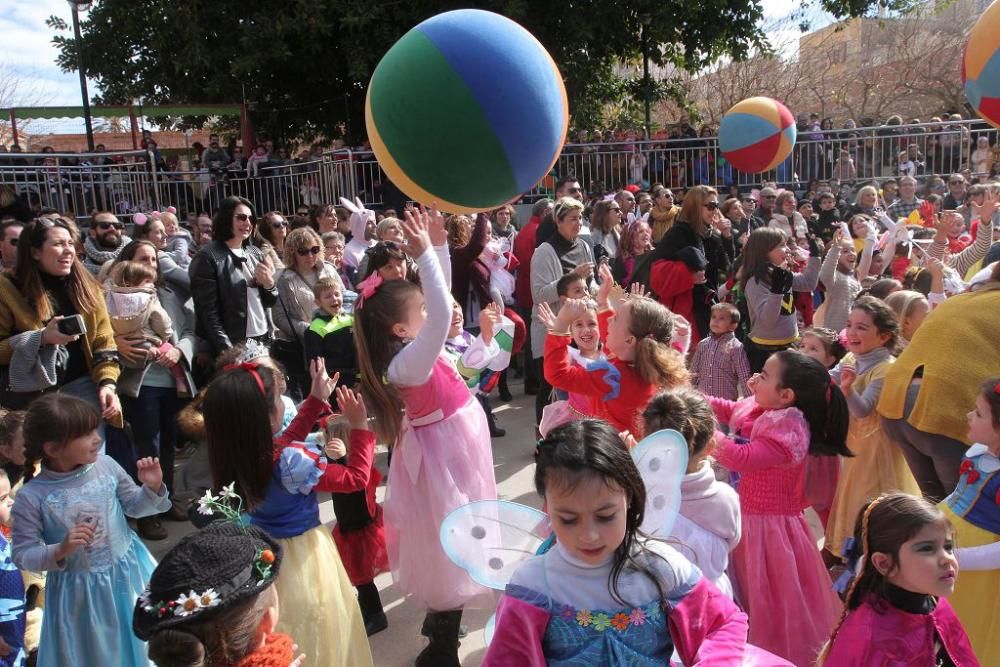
489 539
662 459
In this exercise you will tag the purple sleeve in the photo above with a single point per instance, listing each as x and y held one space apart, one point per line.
517 641
708 628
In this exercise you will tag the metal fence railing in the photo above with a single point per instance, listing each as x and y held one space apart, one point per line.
127 183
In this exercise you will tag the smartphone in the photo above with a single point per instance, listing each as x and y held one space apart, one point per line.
72 326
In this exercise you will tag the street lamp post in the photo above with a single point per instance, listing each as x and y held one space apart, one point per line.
646 19
76 6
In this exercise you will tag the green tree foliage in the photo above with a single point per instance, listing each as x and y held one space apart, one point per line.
304 64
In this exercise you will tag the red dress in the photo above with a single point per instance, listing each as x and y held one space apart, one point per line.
617 392
359 534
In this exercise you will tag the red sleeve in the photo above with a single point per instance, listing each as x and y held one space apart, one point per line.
309 413
355 475
603 318
669 279
562 373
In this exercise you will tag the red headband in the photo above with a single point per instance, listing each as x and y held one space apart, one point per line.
251 368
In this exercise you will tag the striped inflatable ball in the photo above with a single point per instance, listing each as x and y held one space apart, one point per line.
466 110
981 66
757 134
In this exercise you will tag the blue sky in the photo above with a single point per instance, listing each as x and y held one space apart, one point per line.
27 52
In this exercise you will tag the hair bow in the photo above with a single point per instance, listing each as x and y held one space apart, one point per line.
251 368
368 287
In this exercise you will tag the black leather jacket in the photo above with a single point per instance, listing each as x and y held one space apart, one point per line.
219 290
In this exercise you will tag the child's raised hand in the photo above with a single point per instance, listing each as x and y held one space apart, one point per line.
572 310
489 320
435 228
637 291
847 377
78 536
299 661
415 226
335 449
607 284
322 384
353 407
149 473
546 316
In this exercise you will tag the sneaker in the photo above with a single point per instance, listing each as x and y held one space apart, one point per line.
376 624
150 528
505 395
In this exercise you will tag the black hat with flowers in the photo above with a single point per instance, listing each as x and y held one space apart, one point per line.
207 572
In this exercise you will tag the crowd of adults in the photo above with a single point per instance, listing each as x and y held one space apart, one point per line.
243 274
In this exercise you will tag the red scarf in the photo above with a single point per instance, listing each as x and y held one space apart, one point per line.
276 652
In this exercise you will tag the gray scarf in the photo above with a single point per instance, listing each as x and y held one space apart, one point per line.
96 257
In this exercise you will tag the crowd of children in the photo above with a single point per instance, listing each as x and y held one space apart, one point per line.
778 416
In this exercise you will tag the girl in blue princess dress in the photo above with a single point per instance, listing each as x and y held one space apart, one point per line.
69 521
605 595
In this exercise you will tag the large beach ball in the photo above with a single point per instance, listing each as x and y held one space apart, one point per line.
467 110
757 134
981 66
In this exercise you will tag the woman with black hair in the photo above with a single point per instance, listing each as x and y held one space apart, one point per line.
232 282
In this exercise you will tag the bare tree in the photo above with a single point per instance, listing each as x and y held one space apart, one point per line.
18 89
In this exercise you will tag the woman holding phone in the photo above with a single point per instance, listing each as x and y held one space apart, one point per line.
44 303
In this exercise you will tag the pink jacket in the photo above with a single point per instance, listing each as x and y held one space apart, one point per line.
891 637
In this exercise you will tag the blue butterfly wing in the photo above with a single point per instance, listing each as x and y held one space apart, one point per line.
489 539
662 459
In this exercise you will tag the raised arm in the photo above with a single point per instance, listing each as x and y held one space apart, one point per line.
413 364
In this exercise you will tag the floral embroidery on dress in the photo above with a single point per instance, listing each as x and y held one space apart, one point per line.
603 621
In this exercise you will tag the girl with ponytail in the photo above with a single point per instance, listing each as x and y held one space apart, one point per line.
637 334
442 457
895 611
794 412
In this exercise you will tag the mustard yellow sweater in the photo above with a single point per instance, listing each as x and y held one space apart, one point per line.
18 316
957 348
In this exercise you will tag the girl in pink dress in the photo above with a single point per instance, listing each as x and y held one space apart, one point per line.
441 455
777 571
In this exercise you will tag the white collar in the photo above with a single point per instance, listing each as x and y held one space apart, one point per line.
987 461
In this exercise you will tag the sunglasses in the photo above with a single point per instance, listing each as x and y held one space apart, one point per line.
305 252
278 224
712 205
109 225
242 217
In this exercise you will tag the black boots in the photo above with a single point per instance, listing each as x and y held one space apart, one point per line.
495 431
442 629
371 608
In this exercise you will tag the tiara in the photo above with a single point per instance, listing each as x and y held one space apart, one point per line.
252 351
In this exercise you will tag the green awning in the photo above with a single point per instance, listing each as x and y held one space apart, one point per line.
123 111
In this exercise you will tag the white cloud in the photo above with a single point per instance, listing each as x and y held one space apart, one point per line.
27 50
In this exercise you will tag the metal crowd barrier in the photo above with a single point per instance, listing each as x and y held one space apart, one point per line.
127 183
123 182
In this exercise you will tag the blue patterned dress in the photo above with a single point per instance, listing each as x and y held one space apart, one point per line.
11 608
89 597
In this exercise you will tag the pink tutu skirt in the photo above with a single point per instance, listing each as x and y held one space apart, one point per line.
784 588
437 466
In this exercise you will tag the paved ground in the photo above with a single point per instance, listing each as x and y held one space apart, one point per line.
513 462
